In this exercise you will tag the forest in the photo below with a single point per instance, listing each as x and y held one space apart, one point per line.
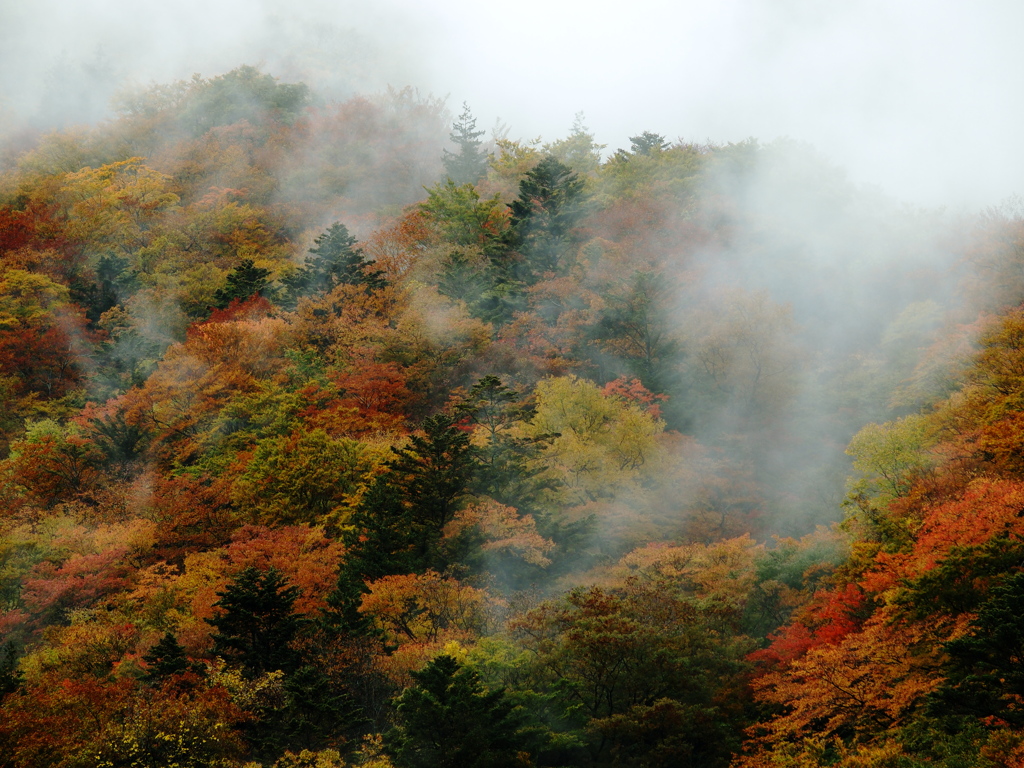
342 433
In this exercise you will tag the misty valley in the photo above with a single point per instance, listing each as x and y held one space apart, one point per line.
342 432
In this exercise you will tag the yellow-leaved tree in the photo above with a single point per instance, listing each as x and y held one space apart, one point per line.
605 445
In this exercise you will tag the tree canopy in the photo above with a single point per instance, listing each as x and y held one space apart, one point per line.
334 435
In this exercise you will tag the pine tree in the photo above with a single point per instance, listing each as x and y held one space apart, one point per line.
398 524
462 279
543 217
167 658
985 674
469 163
10 675
257 624
257 630
635 325
315 712
381 535
120 441
647 143
114 282
503 465
336 260
448 720
434 472
244 281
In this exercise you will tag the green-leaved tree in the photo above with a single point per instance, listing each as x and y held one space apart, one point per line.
448 720
256 623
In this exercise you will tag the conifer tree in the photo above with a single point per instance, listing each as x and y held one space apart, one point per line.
448 720
647 143
462 279
256 624
635 327
398 524
315 712
244 281
167 658
469 163
986 667
336 260
120 441
543 217
503 464
434 471
257 630
10 675
381 534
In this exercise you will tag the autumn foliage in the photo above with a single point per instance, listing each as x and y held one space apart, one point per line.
305 444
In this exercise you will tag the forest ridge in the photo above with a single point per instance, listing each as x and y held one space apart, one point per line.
341 433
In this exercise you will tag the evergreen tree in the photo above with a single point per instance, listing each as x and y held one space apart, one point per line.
463 279
543 217
503 298
382 534
469 162
243 281
257 631
647 143
434 472
114 282
336 260
120 441
315 711
635 327
167 658
257 624
398 524
503 466
10 675
986 669
448 720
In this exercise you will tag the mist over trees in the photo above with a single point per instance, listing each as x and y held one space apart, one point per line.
334 433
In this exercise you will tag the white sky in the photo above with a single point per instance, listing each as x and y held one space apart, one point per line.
924 98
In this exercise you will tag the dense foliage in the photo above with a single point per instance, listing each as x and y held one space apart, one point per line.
334 434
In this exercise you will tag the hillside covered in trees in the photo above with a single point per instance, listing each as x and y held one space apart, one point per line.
340 433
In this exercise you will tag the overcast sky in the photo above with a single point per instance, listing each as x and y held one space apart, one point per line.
924 98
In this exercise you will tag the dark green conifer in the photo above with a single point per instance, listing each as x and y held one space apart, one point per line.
257 624
448 720
398 524
637 318
336 260
985 674
315 713
647 143
167 658
120 441
463 279
434 471
243 281
10 675
549 206
381 535
114 282
503 467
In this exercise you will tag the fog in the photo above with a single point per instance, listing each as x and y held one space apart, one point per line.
921 99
